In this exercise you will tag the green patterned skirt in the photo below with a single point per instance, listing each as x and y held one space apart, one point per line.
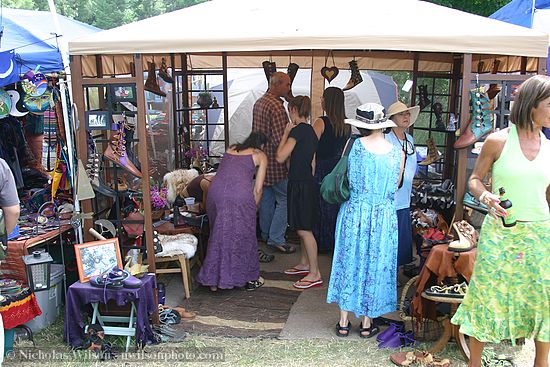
509 293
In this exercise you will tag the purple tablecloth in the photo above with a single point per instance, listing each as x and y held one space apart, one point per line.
81 294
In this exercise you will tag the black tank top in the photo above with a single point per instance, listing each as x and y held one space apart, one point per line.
330 146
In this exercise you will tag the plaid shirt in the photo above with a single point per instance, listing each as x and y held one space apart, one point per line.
269 117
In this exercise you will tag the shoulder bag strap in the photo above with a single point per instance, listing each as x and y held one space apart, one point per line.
349 144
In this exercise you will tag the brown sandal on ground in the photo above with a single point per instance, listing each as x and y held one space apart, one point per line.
424 359
183 313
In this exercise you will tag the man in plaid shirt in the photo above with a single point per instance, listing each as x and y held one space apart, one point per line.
270 118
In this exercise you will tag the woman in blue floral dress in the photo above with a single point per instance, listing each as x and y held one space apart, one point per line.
365 256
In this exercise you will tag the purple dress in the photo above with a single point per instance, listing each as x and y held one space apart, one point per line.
232 253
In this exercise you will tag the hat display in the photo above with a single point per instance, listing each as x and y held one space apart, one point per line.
399 107
370 116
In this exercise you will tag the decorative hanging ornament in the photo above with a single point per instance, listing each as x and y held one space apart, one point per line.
329 73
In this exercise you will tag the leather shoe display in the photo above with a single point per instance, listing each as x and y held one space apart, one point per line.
116 150
480 123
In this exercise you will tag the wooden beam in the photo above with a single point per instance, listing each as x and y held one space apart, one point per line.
225 101
80 132
91 82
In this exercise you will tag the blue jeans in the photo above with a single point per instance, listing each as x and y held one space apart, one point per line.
273 213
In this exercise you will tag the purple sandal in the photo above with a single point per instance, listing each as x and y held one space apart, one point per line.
398 340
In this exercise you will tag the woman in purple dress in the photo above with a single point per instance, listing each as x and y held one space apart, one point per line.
232 255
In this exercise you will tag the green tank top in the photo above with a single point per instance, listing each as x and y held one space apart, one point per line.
525 181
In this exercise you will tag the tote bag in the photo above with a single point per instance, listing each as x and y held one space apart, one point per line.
335 185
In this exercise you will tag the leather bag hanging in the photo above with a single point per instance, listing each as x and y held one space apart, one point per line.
335 185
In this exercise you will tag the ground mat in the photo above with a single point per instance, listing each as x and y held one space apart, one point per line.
240 313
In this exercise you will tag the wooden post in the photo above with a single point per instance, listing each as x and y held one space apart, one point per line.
461 179
144 162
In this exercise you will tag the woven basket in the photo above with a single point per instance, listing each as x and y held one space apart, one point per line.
426 330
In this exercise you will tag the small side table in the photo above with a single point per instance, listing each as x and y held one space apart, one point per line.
449 329
127 331
143 305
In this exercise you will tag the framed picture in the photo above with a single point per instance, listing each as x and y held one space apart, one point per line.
98 120
123 93
95 258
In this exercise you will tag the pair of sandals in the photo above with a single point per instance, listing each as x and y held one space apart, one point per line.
343 331
424 359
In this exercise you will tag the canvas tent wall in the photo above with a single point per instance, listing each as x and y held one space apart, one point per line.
33 36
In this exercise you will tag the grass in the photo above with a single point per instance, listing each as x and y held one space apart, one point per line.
249 352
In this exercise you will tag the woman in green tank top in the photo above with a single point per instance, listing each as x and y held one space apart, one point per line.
508 295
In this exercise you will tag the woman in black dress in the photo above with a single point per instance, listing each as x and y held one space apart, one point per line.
332 133
299 142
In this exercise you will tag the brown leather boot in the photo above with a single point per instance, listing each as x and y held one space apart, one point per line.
355 78
433 154
116 151
151 84
163 72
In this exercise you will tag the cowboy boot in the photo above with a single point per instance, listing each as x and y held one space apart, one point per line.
355 78
163 72
151 84
116 151
269 69
480 124
292 70
433 154
423 96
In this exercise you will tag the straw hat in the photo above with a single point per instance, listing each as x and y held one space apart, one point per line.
370 116
399 107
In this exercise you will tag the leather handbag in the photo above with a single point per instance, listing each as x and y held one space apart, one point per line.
335 185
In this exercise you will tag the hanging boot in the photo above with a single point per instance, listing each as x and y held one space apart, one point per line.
163 72
355 78
269 69
433 154
151 84
479 125
116 151
291 71
424 101
494 89
93 169
129 126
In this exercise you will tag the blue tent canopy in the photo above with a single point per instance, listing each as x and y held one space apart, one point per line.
520 12
33 36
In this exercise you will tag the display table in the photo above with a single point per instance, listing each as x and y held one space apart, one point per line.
13 265
82 294
17 310
439 265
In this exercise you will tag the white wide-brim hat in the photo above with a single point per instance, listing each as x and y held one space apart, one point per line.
399 107
370 116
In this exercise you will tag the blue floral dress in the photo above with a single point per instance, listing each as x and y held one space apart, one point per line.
364 266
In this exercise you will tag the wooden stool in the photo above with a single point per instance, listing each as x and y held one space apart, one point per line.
449 329
184 266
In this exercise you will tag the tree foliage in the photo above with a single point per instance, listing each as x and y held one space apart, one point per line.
108 14
479 7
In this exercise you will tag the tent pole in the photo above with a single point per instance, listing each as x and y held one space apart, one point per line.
69 132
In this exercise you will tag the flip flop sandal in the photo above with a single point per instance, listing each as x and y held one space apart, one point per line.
340 329
372 330
296 271
309 283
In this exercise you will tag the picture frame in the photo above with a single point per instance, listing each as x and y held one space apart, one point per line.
98 120
97 257
123 93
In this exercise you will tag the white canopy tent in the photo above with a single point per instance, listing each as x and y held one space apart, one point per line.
263 25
